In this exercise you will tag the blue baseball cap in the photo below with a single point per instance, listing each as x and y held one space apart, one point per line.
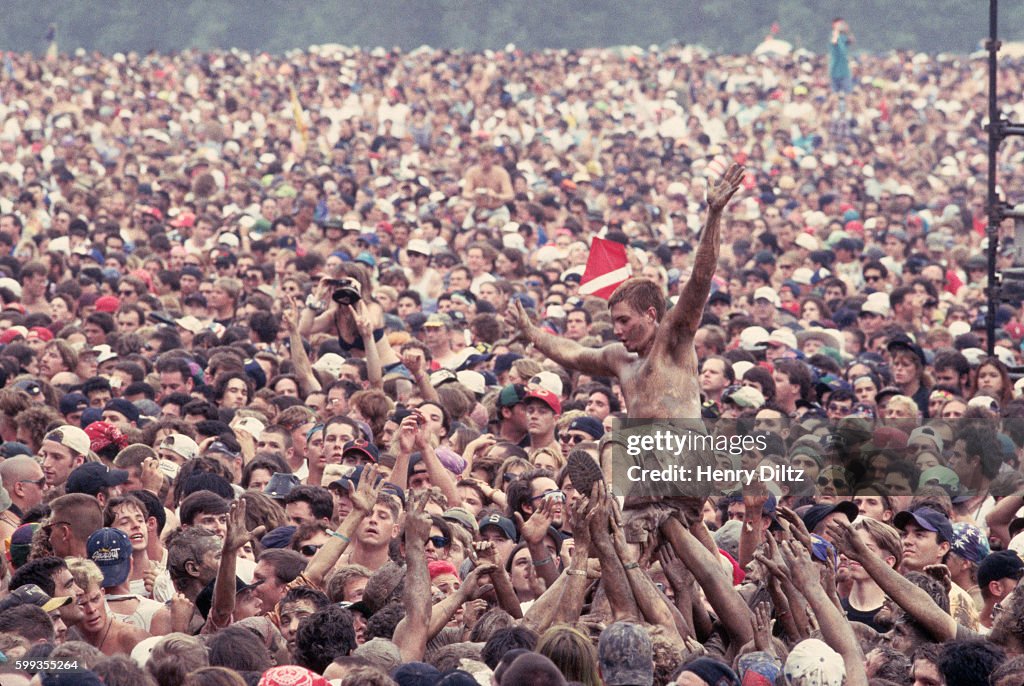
928 519
111 550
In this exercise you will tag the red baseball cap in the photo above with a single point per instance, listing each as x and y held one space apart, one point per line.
108 303
541 393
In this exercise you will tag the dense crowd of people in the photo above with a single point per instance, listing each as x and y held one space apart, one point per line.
276 406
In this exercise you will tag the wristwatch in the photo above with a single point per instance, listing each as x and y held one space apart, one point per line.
317 306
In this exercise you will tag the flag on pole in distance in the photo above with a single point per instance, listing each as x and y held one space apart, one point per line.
607 267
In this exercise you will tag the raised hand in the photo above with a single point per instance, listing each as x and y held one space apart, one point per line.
486 552
151 476
365 495
845 539
534 529
517 320
582 514
761 621
721 191
471 587
801 568
796 526
409 433
773 561
361 316
417 524
289 317
415 361
237 535
675 571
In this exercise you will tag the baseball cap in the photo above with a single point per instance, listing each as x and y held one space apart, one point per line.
503 523
712 671
545 396
180 444
330 363
587 424
125 407
21 542
743 396
280 485
463 517
204 601
814 661
875 306
817 513
108 303
363 448
902 341
92 477
70 437
251 426
221 447
625 654
111 550
279 537
753 338
548 380
30 386
418 245
512 395
437 319
1002 564
941 476
767 293
927 432
73 402
33 595
928 519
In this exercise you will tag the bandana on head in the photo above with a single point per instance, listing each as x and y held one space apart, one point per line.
103 434
291 675
758 669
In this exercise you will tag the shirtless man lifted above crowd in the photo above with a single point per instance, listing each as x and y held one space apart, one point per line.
654 360
487 184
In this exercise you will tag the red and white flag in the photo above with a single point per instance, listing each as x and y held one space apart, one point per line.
607 267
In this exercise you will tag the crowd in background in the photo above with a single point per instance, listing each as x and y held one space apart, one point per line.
264 420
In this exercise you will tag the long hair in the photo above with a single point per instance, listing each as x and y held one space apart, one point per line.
572 652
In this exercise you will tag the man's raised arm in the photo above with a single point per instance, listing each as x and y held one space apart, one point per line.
569 354
684 318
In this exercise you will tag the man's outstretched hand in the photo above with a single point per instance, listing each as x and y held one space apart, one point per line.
720 192
517 321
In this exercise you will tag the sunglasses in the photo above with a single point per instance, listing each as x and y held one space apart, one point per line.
557 496
126 292
825 481
439 541
38 482
48 528
508 477
310 549
569 438
872 278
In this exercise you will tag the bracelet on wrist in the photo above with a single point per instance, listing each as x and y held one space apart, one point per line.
631 565
339 535
540 563
576 572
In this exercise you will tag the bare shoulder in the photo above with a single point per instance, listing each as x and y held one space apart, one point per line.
616 353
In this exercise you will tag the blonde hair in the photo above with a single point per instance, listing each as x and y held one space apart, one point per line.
906 403
85 572
548 450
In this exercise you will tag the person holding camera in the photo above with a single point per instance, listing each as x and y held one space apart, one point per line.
332 308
